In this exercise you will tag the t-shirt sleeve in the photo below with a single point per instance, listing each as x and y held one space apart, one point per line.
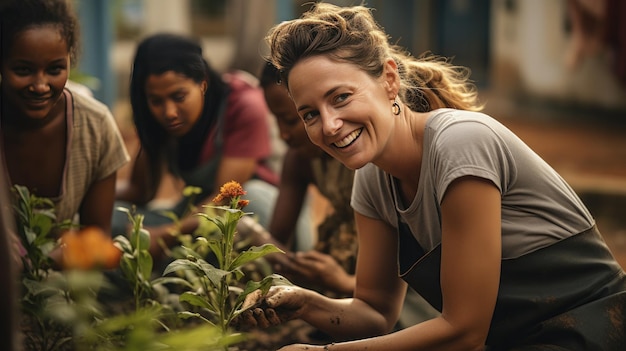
246 128
469 148
371 195
112 151
361 200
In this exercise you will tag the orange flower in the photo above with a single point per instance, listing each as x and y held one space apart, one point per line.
228 191
242 203
89 248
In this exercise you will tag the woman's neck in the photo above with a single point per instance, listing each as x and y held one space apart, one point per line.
403 158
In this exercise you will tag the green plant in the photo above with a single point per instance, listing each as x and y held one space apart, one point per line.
68 309
136 262
36 225
216 292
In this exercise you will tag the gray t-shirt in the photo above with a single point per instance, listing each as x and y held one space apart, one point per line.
538 206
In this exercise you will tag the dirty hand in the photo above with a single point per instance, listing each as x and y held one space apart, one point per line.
281 304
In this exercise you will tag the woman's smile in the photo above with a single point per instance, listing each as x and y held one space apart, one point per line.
349 139
37 102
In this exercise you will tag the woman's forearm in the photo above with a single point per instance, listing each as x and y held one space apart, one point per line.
343 319
436 334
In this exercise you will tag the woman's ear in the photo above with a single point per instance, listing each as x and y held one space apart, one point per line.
204 86
391 78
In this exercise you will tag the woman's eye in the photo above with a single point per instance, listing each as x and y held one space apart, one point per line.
309 115
179 98
342 97
55 70
21 71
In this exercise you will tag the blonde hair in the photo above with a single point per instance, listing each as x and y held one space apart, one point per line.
350 34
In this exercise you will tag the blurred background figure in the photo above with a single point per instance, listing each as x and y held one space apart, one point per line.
597 26
203 127
588 19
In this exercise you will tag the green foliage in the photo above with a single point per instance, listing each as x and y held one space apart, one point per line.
136 262
66 310
36 223
75 310
216 292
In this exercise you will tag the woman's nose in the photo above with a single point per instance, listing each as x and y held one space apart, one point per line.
40 85
331 122
170 110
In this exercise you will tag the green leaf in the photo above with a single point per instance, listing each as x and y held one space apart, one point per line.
31 236
42 224
191 190
46 248
215 275
144 239
123 209
195 300
252 254
187 315
144 260
172 280
38 288
187 252
128 265
123 244
217 221
181 264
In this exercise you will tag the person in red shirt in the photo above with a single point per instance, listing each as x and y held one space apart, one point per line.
204 127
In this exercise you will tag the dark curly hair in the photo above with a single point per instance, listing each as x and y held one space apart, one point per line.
17 16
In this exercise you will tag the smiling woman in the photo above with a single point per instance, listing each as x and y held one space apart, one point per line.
60 145
446 199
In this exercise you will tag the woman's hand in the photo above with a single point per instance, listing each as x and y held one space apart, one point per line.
281 304
318 269
161 239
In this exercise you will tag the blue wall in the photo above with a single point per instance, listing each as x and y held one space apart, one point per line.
97 35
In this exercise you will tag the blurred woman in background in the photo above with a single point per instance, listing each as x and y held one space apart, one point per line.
204 127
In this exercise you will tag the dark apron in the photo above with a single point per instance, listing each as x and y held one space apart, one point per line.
570 295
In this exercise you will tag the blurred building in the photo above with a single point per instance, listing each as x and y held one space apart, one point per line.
517 48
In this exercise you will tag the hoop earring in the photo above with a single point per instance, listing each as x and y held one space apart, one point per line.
395 108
